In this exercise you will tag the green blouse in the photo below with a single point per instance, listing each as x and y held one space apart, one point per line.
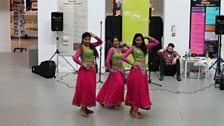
138 53
87 54
117 57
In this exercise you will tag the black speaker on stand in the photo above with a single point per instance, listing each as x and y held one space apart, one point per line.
57 25
56 21
219 30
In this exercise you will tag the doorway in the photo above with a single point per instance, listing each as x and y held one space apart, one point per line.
24 24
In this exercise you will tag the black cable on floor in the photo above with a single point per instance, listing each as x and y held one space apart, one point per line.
60 80
184 92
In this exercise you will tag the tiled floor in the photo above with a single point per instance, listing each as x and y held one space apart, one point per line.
26 99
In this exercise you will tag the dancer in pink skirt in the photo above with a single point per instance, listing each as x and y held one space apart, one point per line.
137 83
85 93
112 92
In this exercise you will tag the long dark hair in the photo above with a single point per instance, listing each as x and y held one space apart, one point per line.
142 47
87 34
112 40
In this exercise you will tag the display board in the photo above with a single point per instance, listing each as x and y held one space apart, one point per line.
202 29
75 23
135 19
17 18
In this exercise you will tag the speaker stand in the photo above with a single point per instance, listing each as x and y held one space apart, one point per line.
100 81
57 54
218 62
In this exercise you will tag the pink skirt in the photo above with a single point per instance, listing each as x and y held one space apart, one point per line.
85 92
138 90
112 92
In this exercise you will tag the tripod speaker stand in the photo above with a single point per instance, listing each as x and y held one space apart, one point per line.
218 61
100 81
57 54
219 29
57 25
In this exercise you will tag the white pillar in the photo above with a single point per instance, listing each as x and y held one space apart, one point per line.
5 40
46 38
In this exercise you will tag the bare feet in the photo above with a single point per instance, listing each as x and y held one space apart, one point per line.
84 113
89 111
102 105
132 111
137 115
148 108
117 107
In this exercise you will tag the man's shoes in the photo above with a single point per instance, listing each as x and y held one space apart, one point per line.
178 78
161 77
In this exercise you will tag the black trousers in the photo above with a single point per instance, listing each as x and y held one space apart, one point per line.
169 70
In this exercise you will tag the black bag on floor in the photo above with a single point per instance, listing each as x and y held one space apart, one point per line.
45 69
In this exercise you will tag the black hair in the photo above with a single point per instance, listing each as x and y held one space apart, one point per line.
87 34
143 46
171 44
115 37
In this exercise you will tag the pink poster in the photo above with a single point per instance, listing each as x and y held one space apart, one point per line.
197 32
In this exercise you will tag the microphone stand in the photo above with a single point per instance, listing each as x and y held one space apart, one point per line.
149 61
150 80
100 81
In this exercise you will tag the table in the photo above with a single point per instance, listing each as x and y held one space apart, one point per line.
199 61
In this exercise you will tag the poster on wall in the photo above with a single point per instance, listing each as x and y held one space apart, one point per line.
202 28
117 7
75 23
211 13
205 3
197 30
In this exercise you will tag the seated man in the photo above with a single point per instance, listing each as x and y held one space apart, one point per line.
169 62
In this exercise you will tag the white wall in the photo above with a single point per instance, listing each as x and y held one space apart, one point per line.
5 40
180 17
46 38
96 14
47 43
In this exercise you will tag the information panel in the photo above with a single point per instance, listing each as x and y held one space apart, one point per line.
202 29
75 23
